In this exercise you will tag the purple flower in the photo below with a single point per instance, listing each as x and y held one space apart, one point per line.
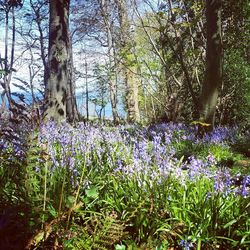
245 190
187 245
221 135
211 161
223 182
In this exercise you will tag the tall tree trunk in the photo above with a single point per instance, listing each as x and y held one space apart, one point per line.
58 60
129 69
112 60
132 96
112 81
71 106
213 74
87 89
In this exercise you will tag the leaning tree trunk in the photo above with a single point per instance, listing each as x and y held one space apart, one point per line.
213 74
129 67
58 60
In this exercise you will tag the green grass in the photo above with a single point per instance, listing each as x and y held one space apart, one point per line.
94 205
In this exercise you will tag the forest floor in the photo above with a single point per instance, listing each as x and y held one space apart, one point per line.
126 187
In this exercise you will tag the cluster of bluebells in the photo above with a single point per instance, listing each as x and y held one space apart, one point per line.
223 182
221 135
187 245
243 183
133 152
198 167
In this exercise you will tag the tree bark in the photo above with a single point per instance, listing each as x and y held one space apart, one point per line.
71 106
87 89
58 61
129 69
213 74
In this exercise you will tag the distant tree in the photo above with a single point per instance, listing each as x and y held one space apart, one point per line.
213 74
100 97
105 8
32 42
39 16
7 61
128 63
170 52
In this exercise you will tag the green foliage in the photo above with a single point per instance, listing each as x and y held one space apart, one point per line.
170 34
2 73
242 144
235 96
103 207
97 231
103 77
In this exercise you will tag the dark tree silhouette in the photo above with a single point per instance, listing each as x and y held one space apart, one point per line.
213 74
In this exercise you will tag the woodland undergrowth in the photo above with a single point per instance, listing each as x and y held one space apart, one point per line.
125 187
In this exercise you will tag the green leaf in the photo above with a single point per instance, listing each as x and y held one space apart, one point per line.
92 193
230 223
244 238
120 247
52 211
70 201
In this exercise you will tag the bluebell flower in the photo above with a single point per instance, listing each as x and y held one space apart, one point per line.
186 244
245 190
223 182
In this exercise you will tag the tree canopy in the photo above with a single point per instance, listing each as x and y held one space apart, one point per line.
161 60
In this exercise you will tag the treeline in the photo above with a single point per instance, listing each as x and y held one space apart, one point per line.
178 61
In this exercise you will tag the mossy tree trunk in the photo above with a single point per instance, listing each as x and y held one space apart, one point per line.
58 61
128 64
213 74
